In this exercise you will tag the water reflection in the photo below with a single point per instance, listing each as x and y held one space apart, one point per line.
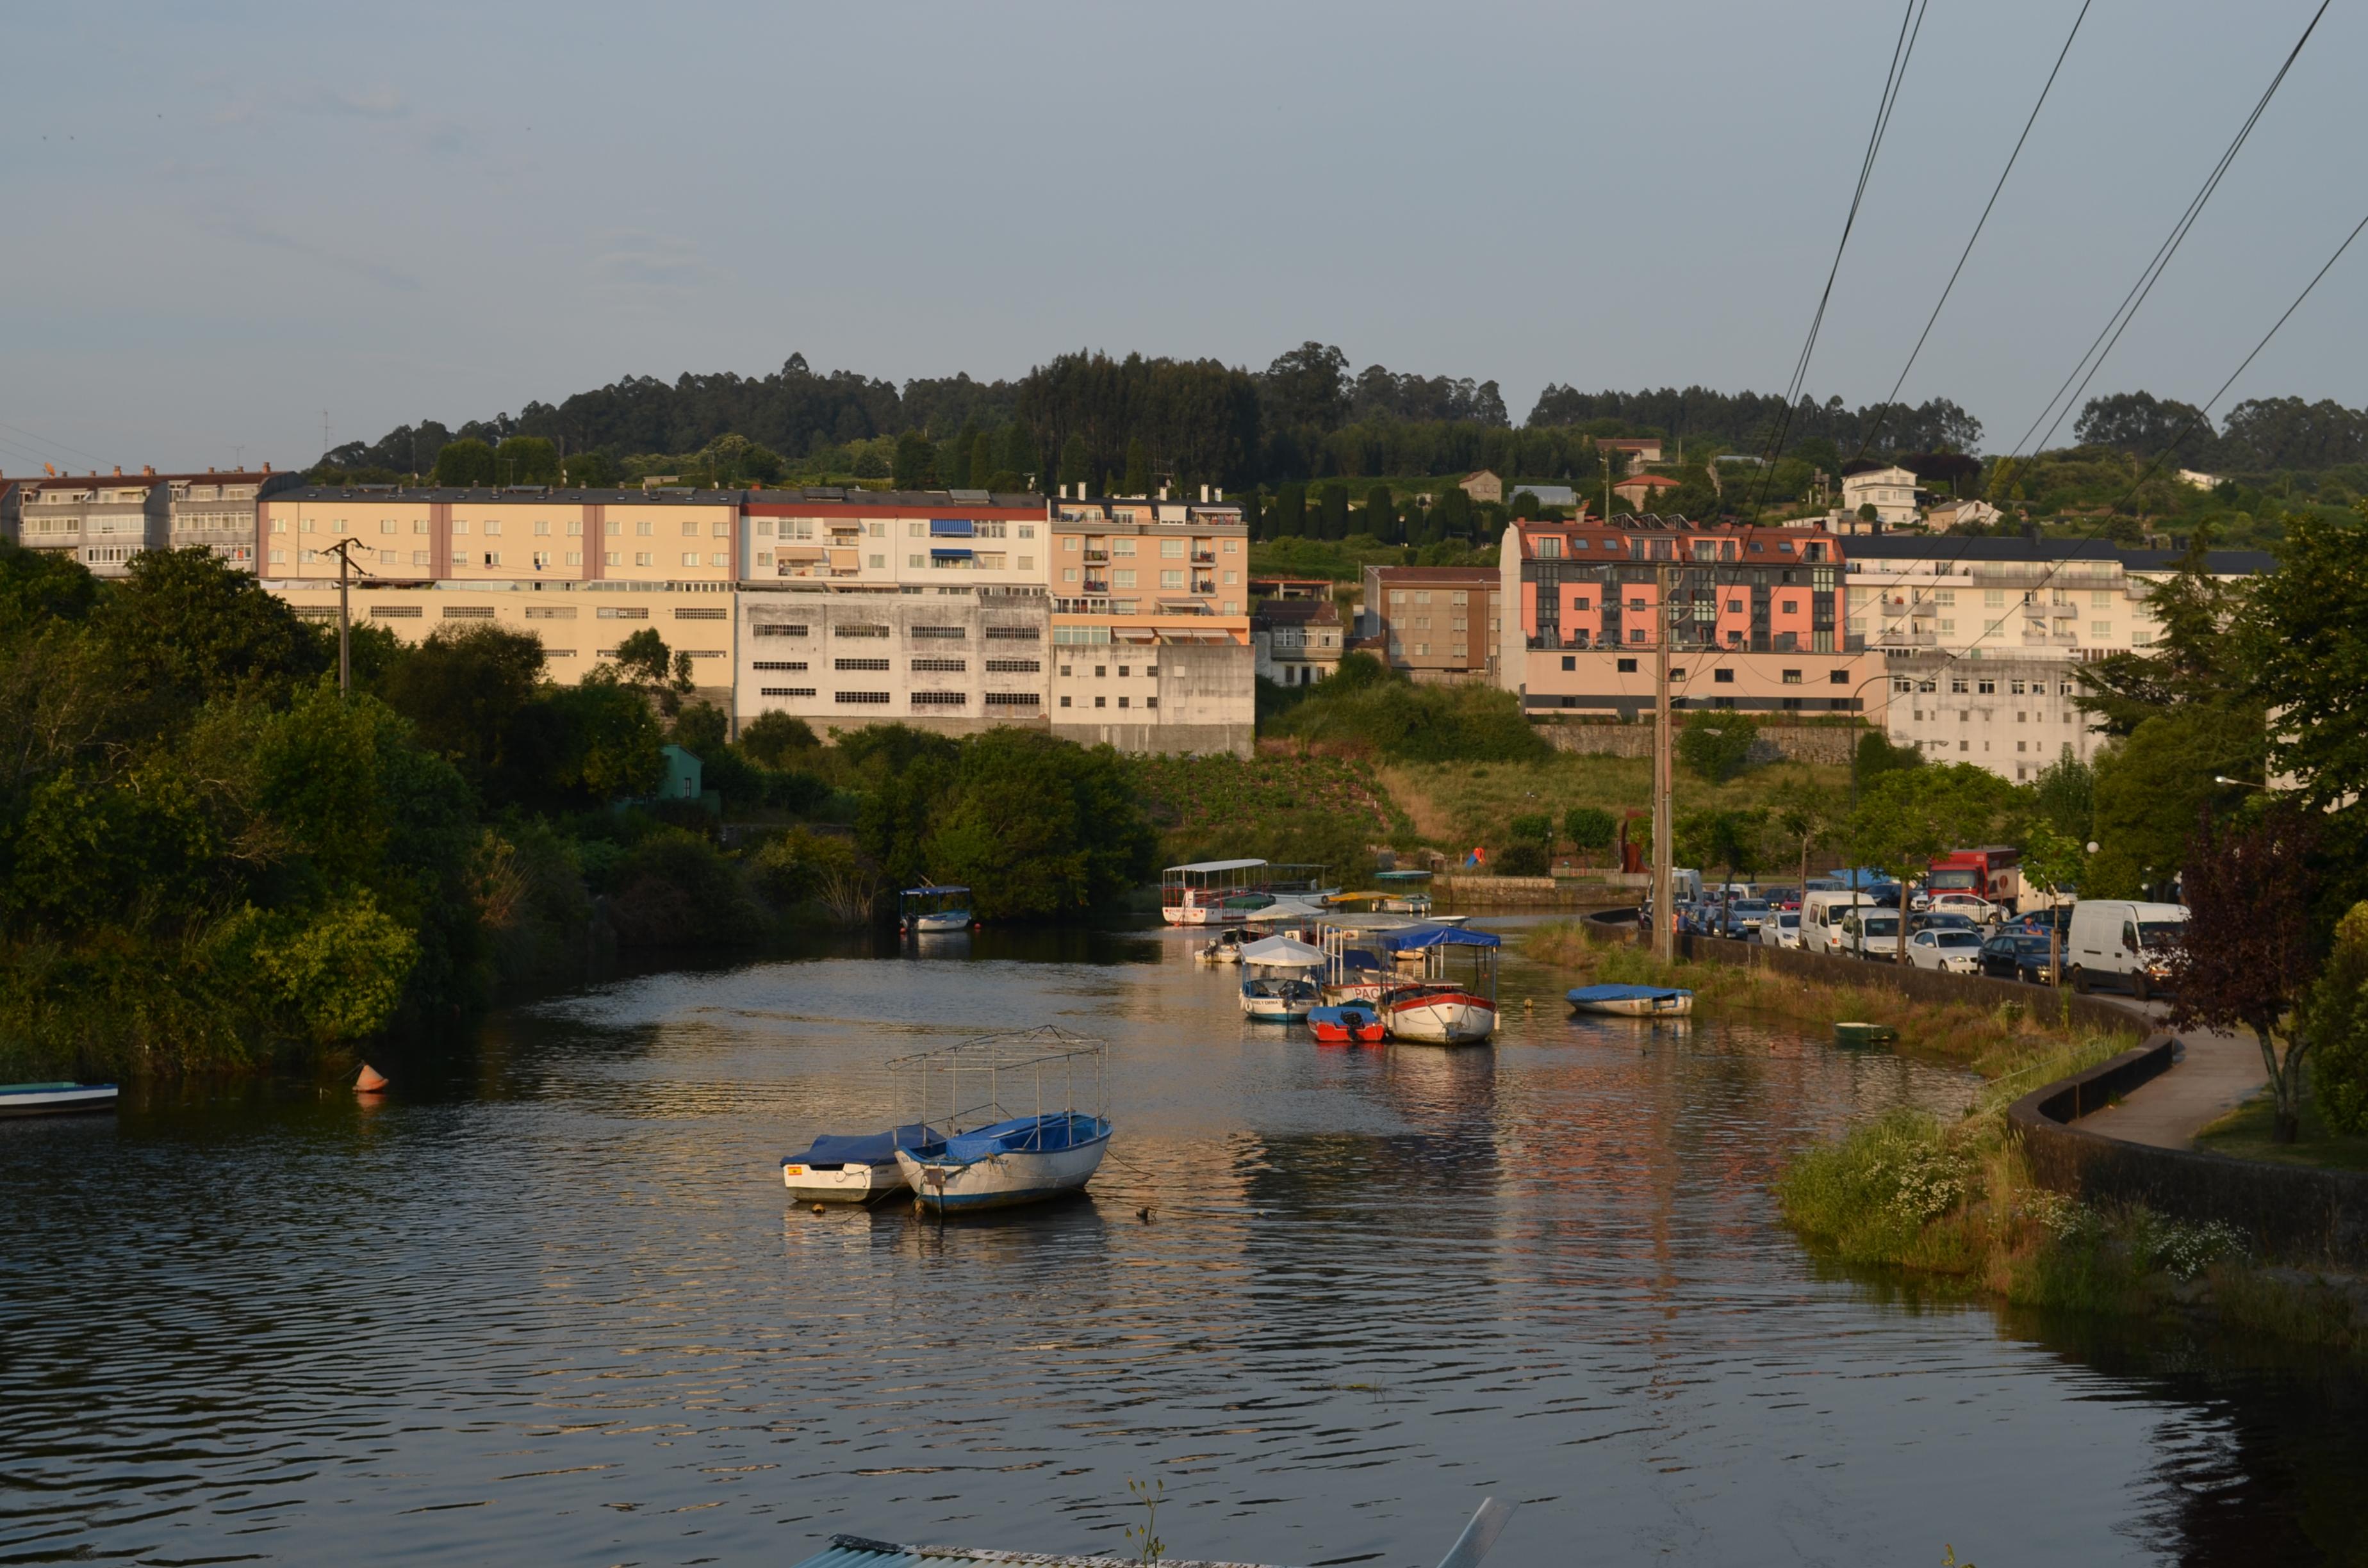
549 1300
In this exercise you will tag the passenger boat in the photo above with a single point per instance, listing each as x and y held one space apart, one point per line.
1355 1023
987 1156
1196 894
1632 1001
860 1168
54 1099
929 908
1436 1008
1279 978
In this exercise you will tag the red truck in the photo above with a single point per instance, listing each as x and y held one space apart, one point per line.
1992 871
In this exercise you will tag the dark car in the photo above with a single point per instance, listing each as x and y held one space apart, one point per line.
2018 955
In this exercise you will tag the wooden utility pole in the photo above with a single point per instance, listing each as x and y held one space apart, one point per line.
343 551
1665 938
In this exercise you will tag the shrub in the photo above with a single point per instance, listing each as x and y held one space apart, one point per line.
1589 828
1522 857
675 888
2337 1015
1717 748
1532 827
777 740
1368 707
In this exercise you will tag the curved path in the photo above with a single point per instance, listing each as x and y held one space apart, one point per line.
2217 1072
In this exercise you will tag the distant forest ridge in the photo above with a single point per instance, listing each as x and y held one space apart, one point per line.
1308 417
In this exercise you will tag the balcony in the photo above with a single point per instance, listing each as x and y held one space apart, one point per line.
2061 611
1098 585
1098 558
1204 558
1907 639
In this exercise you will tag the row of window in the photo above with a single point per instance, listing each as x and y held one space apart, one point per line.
1169 549
1104 703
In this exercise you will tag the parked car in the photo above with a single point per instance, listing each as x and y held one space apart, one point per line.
1949 951
2124 944
1974 906
1781 898
1871 934
1944 922
1781 930
2018 954
1743 916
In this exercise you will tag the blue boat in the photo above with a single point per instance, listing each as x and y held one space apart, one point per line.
851 1168
1632 1001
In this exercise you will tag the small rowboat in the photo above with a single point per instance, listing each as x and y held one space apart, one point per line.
54 1099
1023 1160
1632 1001
836 1169
1354 1024
1863 1034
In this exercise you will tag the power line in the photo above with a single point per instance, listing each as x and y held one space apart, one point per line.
1892 398
45 441
2127 311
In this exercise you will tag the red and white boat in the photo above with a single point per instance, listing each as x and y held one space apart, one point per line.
1356 1023
1436 1008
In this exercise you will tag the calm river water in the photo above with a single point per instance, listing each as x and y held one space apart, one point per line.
550 1305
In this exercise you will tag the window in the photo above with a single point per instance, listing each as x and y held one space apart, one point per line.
1064 702
1123 577
1792 677
1014 667
786 690
778 664
701 613
1959 686
1166 579
574 557
938 666
468 612
1636 634
1121 702
1627 667
1722 676
1014 699
858 629
940 698
1838 677
2101 600
879 698
1151 702
1637 604
626 612
644 558
1986 687
1101 701
775 629
1172 548
394 612
2102 631
1569 663
642 528
610 558
859 663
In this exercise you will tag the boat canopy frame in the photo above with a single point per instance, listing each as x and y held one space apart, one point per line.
1012 1061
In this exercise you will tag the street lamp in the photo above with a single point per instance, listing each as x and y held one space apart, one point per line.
2238 783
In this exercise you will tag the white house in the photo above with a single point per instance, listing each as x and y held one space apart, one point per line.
1890 491
1970 515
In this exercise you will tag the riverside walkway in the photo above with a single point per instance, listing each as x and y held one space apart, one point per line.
2217 1072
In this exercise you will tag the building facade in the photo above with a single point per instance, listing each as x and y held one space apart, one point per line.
2014 715
1436 623
956 664
580 569
1296 641
102 520
1890 491
1752 619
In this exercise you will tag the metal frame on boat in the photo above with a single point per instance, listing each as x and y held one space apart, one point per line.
1195 894
993 1152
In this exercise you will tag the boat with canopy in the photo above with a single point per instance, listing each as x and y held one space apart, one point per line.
1632 1001
932 907
1437 1006
1279 978
1020 1117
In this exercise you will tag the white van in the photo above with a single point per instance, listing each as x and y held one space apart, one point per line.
1821 918
2123 944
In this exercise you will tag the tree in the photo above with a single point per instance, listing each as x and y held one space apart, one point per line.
184 627
2152 788
1867 514
2335 1021
464 463
2246 958
1717 746
1525 505
1528 850
983 466
464 689
2064 793
1138 470
1451 516
2052 860
1019 453
777 740
1731 838
1906 817
702 729
1382 514
1807 815
1291 511
1333 498
2303 633
526 459
1076 464
915 463
1588 828
589 471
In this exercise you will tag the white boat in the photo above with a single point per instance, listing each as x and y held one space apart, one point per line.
1632 1001
859 1169
986 1157
1279 978
1023 1160
1196 894
1225 948
1437 1009
932 908
54 1099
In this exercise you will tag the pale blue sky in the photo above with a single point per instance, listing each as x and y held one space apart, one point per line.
223 219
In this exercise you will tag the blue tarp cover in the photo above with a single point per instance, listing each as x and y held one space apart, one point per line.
862 1148
1437 937
950 552
1622 993
1027 1134
959 527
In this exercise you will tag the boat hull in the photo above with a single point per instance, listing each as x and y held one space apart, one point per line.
1001 1181
946 920
852 1183
1276 1009
1347 1026
1443 1018
55 1099
1640 1008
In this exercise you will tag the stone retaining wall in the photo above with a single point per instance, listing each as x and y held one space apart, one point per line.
1831 743
2288 1212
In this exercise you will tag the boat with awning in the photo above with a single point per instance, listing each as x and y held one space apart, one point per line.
1279 978
1439 1006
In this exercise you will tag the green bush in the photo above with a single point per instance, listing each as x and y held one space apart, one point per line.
778 741
675 889
2337 1020
1521 858
1532 827
1368 707
1717 746
1588 827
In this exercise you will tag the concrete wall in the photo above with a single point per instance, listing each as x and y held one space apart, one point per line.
2288 1212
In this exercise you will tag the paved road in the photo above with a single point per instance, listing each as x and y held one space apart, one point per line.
2216 1073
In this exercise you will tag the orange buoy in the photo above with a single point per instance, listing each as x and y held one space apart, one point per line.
370 1082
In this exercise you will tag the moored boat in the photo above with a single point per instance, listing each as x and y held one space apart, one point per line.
932 908
1279 978
54 1099
1433 1008
860 1168
1632 1001
1022 1159
1353 1023
1199 894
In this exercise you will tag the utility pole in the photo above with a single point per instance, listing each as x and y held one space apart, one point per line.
343 551
1664 940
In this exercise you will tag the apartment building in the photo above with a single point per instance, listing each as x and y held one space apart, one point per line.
1752 619
581 569
1890 491
941 542
101 521
2014 714
222 512
1296 641
1437 623
1150 634
956 664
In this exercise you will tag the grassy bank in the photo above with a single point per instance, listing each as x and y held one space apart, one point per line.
2248 1133
1469 802
1953 1201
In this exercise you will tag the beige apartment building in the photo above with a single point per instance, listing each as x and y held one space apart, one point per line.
581 569
1439 623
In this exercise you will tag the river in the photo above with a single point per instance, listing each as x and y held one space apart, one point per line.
547 1302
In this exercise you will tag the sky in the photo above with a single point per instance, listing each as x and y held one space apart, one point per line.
232 227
